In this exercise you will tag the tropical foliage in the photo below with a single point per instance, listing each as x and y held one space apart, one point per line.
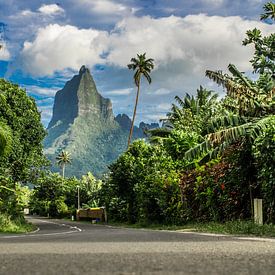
208 162
21 156
215 145
143 186
20 119
56 196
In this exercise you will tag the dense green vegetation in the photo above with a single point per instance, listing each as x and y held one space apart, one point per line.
56 196
211 158
14 225
21 157
235 227
207 163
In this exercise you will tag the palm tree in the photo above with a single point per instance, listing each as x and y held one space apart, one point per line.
253 104
202 104
190 113
141 66
63 158
269 8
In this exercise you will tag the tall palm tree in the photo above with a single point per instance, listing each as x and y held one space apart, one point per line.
63 158
141 66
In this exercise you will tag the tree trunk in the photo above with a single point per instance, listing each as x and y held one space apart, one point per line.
63 170
134 115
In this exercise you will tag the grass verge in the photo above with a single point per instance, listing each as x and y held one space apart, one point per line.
231 227
17 225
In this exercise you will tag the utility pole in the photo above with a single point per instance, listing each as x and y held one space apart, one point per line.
78 198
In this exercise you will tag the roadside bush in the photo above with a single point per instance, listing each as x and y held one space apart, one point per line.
143 186
13 197
56 196
264 152
220 190
18 224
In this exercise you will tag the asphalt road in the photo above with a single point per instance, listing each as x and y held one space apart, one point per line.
61 247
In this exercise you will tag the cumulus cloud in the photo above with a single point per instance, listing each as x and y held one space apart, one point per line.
198 40
4 52
193 44
182 47
51 9
56 48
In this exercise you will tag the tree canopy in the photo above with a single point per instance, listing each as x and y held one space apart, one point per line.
22 120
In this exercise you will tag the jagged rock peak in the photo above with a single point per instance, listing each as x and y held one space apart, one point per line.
83 70
80 97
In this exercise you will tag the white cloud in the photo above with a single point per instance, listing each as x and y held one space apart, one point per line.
46 114
56 48
194 43
51 9
119 92
4 52
41 91
183 48
162 91
26 13
106 7
163 107
199 41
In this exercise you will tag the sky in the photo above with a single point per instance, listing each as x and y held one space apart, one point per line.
46 43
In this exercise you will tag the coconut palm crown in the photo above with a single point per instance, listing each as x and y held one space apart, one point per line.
63 159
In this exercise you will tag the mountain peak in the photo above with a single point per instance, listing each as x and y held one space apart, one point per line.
83 70
80 97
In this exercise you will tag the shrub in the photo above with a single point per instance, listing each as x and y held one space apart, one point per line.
143 186
219 190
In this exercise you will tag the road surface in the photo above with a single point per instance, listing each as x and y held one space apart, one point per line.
61 247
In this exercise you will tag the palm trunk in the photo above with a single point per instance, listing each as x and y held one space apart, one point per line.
63 170
134 116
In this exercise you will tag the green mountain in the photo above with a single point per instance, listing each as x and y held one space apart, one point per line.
84 125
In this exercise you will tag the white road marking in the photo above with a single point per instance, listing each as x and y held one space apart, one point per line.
37 235
31 234
257 239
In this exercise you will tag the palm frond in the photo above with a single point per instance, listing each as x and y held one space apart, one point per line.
217 142
269 9
148 77
225 121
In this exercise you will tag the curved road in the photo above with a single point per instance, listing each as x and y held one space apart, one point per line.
61 247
